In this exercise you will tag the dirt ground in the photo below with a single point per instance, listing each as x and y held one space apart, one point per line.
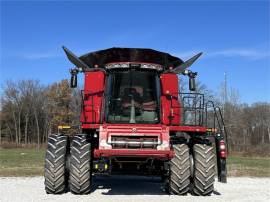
132 188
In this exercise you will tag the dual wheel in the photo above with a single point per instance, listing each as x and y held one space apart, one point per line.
192 171
68 169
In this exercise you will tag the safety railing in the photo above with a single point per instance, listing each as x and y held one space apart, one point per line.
192 107
214 119
196 111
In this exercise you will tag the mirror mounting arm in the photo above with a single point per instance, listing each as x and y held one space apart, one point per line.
190 74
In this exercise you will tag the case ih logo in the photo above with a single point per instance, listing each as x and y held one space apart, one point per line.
134 130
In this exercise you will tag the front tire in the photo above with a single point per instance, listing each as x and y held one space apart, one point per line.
179 178
55 164
80 174
204 169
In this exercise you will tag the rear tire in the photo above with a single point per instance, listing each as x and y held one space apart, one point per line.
55 164
179 178
204 169
80 175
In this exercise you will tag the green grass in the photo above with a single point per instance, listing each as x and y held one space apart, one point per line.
248 166
21 162
29 162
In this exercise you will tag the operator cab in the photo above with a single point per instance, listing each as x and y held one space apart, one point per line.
132 96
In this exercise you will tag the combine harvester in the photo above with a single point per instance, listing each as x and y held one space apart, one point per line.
134 120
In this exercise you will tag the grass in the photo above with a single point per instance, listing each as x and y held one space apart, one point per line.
248 166
21 162
29 162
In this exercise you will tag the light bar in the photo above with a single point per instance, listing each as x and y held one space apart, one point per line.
117 65
130 65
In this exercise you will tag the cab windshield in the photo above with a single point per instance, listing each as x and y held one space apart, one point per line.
132 97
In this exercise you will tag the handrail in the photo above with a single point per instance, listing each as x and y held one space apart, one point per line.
196 100
221 124
201 108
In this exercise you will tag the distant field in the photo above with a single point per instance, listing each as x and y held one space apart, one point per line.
249 166
29 162
21 162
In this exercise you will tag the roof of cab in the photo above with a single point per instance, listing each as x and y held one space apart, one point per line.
143 55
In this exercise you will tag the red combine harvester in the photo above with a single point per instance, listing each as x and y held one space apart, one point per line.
134 120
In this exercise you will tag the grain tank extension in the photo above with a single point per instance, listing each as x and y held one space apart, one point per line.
135 120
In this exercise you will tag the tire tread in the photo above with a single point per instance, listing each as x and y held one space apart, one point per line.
204 169
179 179
55 164
80 165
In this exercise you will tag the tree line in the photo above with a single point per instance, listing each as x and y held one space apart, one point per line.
30 112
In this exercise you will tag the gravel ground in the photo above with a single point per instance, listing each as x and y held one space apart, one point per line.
128 188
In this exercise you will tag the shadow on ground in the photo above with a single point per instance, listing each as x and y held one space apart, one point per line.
129 185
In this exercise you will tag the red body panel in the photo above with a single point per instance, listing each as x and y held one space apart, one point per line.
93 97
90 126
198 129
170 107
108 132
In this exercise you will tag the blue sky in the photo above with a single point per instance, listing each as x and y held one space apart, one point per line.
234 37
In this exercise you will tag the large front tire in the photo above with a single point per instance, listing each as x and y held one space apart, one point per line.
204 169
80 174
179 178
55 173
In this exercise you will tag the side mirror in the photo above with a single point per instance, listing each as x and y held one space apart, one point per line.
192 84
73 81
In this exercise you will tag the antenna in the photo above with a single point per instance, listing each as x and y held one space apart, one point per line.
225 88
225 99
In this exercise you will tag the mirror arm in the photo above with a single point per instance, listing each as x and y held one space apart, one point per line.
190 74
74 71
